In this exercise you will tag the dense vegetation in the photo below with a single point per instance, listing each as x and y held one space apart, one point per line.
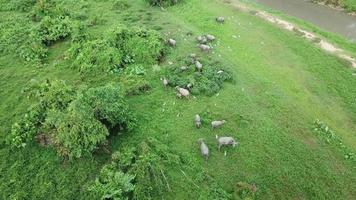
74 123
85 115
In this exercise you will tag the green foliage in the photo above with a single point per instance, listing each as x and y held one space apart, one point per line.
109 106
138 45
95 55
350 5
78 132
148 162
23 132
213 191
52 29
96 19
122 47
77 122
267 90
209 81
18 36
112 184
79 33
16 5
120 5
55 94
89 119
135 85
28 39
163 2
48 8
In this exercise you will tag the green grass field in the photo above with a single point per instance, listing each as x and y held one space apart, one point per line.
281 85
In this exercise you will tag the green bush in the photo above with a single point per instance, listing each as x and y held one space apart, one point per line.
148 162
95 55
79 33
86 123
162 2
76 122
122 47
47 8
27 128
108 106
138 45
55 94
209 81
52 29
90 118
112 184
28 39
78 133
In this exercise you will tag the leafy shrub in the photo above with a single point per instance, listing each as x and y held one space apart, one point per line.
108 106
78 133
123 47
52 29
76 122
75 9
23 132
208 82
162 2
27 39
47 8
112 184
89 119
148 162
79 32
55 94
95 55
139 45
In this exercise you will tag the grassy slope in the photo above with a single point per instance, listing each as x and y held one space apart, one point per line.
282 84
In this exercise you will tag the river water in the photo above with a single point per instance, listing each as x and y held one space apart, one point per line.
326 18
